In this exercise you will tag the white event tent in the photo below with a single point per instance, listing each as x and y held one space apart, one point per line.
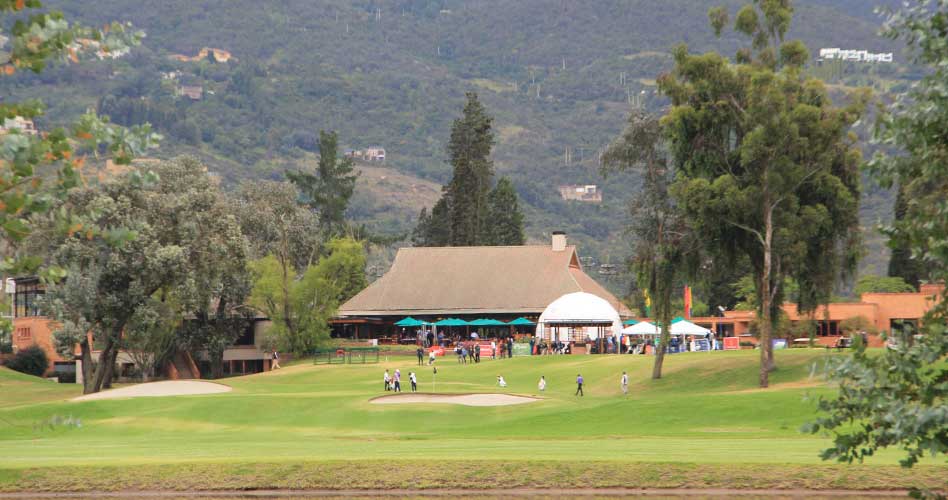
681 326
583 314
642 328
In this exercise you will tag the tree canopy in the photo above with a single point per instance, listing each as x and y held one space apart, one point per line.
327 190
768 170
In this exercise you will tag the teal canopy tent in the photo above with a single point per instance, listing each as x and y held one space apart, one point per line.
629 322
521 322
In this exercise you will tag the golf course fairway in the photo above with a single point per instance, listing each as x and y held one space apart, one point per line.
703 425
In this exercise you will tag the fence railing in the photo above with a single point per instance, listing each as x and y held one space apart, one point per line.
346 356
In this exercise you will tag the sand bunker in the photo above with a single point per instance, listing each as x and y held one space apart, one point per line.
454 399
164 388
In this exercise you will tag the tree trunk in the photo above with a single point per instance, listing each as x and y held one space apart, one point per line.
87 373
109 373
766 300
100 368
663 306
217 364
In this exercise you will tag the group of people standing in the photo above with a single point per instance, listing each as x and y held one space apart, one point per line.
394 382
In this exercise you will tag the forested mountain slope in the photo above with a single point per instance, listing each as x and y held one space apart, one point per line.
559 77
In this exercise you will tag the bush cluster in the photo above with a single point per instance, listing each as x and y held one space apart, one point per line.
31 361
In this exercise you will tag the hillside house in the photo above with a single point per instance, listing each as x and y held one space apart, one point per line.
588 193
374 153
219 55
193 92
23 125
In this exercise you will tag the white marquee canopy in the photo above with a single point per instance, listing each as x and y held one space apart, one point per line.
594 313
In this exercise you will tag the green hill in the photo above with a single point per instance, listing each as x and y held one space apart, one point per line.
558 76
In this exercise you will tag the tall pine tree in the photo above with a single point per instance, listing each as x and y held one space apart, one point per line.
327 191
505 226
469 149
469 213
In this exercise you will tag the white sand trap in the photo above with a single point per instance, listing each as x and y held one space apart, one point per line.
454 399
163 388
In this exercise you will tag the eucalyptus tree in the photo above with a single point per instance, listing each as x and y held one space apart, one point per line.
663 243
767 165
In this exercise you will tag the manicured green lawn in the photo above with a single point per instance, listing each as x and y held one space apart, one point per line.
705 411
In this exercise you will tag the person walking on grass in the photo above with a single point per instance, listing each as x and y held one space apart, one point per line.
275 363
414 381
625 383
388 381
421 355
579 385
398 381
542 385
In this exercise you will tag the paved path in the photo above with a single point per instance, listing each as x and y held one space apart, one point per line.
163 388
454 399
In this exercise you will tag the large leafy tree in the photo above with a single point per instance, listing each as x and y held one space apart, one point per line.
38 169
328 190
168 238
899 398
275 223
662 240
301 309
284 242
112 274
212 296
767 168
505 220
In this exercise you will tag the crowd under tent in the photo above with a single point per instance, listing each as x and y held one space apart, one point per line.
577 317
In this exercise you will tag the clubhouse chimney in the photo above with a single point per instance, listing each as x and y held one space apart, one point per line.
559 241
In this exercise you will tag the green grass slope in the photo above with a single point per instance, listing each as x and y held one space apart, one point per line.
21 390
308 421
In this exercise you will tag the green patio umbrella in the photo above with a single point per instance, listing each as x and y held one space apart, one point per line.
409 321
486 322
521 322
451 322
